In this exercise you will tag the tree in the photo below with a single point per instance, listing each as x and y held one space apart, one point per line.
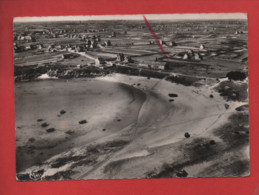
236 75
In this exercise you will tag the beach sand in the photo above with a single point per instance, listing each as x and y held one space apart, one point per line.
101 103
131 123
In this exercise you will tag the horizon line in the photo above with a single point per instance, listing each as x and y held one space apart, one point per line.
139 17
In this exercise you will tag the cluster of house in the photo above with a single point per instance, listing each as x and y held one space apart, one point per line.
25 38
240 32
92 42
74 33
153 42
156 65
162 42
30 36
20 48
191 55
123 58
88 44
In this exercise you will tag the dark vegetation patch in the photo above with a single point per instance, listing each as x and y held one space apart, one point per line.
182 173
70 55
171 100
25 73
187 135
50 130
196 151
32 139
90 155
183 80
62 112
94 149
23 177
172 95
82 122
33 176
242 108
235 133
116 143
39 120
236 75
235 42
44 124
199 150
190 67
226 106
233 91
66 72
229 166
29 149
236 168
70 132
212 142
36 150
244 59
143 72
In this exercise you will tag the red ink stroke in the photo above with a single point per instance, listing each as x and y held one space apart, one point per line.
155 36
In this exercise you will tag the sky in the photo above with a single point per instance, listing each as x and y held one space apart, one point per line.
170 17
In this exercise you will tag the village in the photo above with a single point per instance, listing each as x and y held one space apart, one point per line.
81 48
94 43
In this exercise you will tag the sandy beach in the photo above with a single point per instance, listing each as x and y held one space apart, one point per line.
137 130
102 104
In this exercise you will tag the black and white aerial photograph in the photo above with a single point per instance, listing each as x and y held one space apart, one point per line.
131 96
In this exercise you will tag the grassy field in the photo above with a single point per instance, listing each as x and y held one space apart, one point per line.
26 59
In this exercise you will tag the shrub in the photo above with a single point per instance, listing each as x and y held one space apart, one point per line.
236 75
187 135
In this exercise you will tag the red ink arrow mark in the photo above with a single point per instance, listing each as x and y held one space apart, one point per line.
155 36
